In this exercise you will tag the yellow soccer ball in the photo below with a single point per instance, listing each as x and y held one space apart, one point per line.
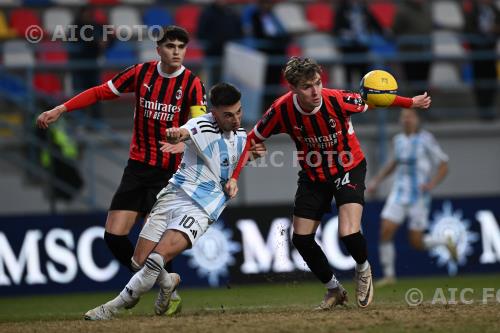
378 88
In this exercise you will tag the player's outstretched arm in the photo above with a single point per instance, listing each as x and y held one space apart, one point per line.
175 135
48 117
80 101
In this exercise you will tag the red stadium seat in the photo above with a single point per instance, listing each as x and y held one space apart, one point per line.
194 51
48 83
52 52
321 15
103 2
21 19
384 12
187 16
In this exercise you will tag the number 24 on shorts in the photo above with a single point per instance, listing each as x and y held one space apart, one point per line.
341 181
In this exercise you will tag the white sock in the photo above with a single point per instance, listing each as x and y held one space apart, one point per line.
175 295
333 283
430 242
164 280
387 258
143 280
362 267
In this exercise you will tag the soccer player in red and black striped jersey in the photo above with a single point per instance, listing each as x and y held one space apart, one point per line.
167 95
332 164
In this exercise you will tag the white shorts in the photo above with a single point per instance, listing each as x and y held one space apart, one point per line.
417 213
174 209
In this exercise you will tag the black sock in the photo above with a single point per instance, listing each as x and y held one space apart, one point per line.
313 256
356 246
121 247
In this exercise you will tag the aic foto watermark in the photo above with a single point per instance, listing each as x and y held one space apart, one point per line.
88 33
415 296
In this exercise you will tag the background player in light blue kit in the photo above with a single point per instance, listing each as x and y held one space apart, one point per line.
416 154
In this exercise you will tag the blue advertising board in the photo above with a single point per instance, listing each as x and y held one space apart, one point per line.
67 253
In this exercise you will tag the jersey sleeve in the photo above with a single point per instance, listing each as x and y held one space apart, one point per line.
434 150
352 102
269 124
197 99
196 137
123 82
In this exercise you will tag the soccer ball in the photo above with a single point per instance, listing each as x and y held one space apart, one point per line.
378 88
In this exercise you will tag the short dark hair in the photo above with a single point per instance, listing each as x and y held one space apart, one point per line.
173 32
300 69
224 94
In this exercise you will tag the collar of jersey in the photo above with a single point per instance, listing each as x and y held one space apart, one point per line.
168 76
316 109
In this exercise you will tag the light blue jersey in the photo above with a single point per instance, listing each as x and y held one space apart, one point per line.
416 155
209 159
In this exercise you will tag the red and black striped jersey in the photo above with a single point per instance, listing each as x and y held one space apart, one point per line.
324 137
162 101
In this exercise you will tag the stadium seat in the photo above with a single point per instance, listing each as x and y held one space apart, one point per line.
48 83
18 53
320 15
157 16
124 16
121 53
70 2
147 51
384 12
5 30
57 17
319 46
292 18
447 44
447 14
21 19
103 2
138 2
53 52
194 51
445 75
187 16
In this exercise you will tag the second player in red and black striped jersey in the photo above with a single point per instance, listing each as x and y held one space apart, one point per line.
324 137
162 101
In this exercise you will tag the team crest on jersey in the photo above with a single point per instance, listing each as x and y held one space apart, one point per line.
332 123
178 93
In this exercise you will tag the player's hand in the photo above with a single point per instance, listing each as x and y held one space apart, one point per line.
173 135
421 101
426 187
257 149
231 188
177 148
48 117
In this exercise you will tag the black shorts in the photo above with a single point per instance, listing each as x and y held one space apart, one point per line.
139 186
313 199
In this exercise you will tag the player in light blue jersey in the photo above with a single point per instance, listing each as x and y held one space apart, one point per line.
416 155
194 198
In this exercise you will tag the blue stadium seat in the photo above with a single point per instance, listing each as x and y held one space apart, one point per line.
157 16
121 53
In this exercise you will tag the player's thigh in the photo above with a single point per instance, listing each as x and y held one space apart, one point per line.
350 218
418 215
388 229
303 226
172 244
312 201
120 222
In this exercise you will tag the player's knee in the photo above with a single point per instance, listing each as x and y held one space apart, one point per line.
416 240
303 243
